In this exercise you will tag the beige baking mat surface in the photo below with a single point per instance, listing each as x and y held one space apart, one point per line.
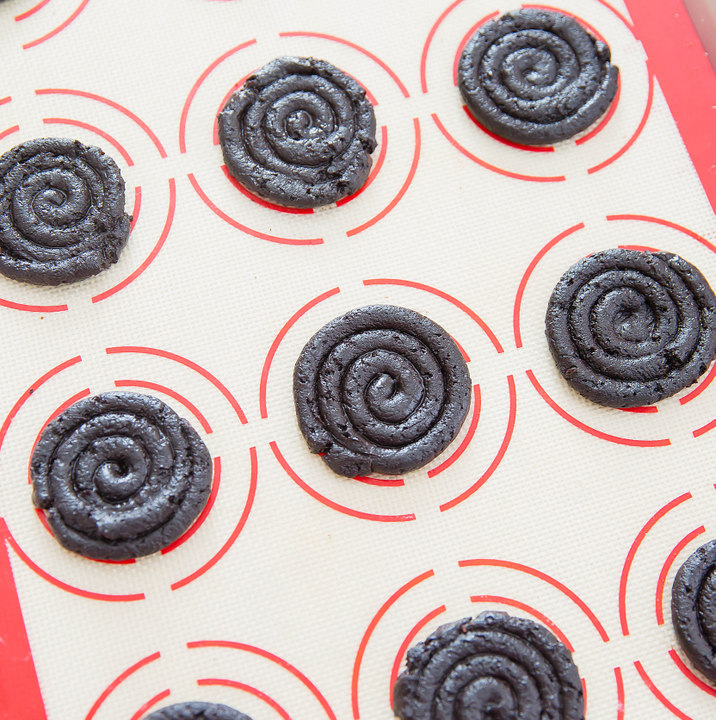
299 593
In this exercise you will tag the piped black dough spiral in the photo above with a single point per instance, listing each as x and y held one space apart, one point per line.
693 609
493 666
62 213
197 711
299 132
120 475
536 77
380 389
629 328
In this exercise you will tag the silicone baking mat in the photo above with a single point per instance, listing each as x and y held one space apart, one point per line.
298 592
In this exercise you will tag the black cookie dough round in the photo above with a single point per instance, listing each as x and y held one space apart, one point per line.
380 389
494 665
62 213
536 77
197 711
299 132
693 609
120 475
629 328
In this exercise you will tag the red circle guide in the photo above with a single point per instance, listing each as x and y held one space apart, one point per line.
693 393
391 618
151 207
471 422
200 419
236 677
207 189
47 9
473 145
678 546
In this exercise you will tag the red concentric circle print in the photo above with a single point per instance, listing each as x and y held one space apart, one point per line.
195 394
460 471
649 427
46 19
592 150
399 142
149 201
430 599
251 679
663 543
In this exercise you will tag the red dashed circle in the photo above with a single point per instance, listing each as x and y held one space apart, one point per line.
49 34
199 420
233 682
389 615
593 132
661 597
693 393
446 462
109 141
201 187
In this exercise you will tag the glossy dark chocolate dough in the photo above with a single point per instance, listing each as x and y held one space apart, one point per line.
299 132
62 213
493 666
693 609
629 328
120 475
536 77
381 389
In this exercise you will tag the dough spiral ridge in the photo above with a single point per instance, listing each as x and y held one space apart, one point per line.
380 389
494 665
120 475
693 608
536 76
62 213
629 328
299 132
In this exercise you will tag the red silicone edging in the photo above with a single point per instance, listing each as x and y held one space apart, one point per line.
19 688
686 77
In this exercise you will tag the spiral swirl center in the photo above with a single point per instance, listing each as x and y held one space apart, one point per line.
51 200
488 698
299 124
391 385
630 314
119 468
531 67
392 390
307 122
61 198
